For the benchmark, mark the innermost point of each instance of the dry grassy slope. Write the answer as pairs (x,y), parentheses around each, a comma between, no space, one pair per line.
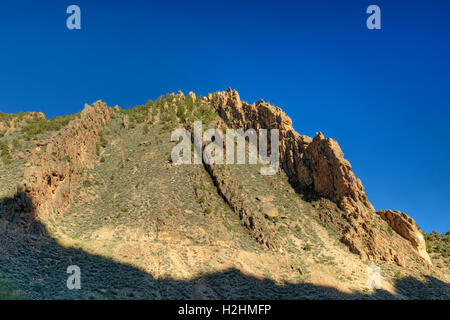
(138,209)
(181,239)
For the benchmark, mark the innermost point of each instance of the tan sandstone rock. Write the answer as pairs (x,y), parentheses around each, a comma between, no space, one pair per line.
(125,121)
(407,228)
(317,166)
(48,180)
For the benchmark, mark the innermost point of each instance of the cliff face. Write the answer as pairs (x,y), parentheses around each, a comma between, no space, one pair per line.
(317,166)
(408,229)
(314,166)
(55,164)
(310,224)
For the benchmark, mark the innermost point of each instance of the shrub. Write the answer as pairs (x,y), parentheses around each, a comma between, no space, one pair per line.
(103,141)
(181,112)
(9,292)
(307,247)
(39,125)
(208,210)
(16,144)
(390,231)
(87,183)
(4,152)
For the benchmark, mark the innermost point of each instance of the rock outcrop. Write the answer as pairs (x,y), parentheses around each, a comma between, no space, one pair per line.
(53,171)
(228,189)
(125,122)
(405,226)
(317,166)
(313,165)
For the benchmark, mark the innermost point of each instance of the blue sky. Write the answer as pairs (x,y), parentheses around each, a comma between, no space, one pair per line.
(384,95)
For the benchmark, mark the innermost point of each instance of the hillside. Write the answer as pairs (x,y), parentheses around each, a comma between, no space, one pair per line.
(98,189)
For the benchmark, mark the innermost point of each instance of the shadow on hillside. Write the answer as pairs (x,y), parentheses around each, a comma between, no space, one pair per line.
(36,264)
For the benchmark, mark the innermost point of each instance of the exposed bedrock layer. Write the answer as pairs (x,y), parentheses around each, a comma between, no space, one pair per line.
(405,226)
(55,164)
(260,229)
(317,166)
(314,166)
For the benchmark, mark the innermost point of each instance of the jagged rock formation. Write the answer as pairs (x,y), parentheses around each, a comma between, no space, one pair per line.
(317,166)
(228,189)
(314,165)
(255,223)
(56,163)
(138,208)
(407,228)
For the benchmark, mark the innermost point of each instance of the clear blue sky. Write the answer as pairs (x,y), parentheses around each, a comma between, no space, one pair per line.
(383,94)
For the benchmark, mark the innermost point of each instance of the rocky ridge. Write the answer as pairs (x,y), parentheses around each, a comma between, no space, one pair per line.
(54,165)
(317,166)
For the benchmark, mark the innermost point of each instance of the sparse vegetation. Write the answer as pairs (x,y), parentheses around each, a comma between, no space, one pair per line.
(437,243)
(144,218)
(87,183)
(4,152)
(9,292)
(38,126)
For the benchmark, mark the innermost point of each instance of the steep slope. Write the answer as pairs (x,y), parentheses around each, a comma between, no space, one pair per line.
(101,192)
(317,166)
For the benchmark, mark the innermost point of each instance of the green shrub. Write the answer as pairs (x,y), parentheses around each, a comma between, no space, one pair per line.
(4,152)
(9,292)
(16,144)
(39,126)
(181,112)
(87,183)
(103,141)
(390,231)
(307,247)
